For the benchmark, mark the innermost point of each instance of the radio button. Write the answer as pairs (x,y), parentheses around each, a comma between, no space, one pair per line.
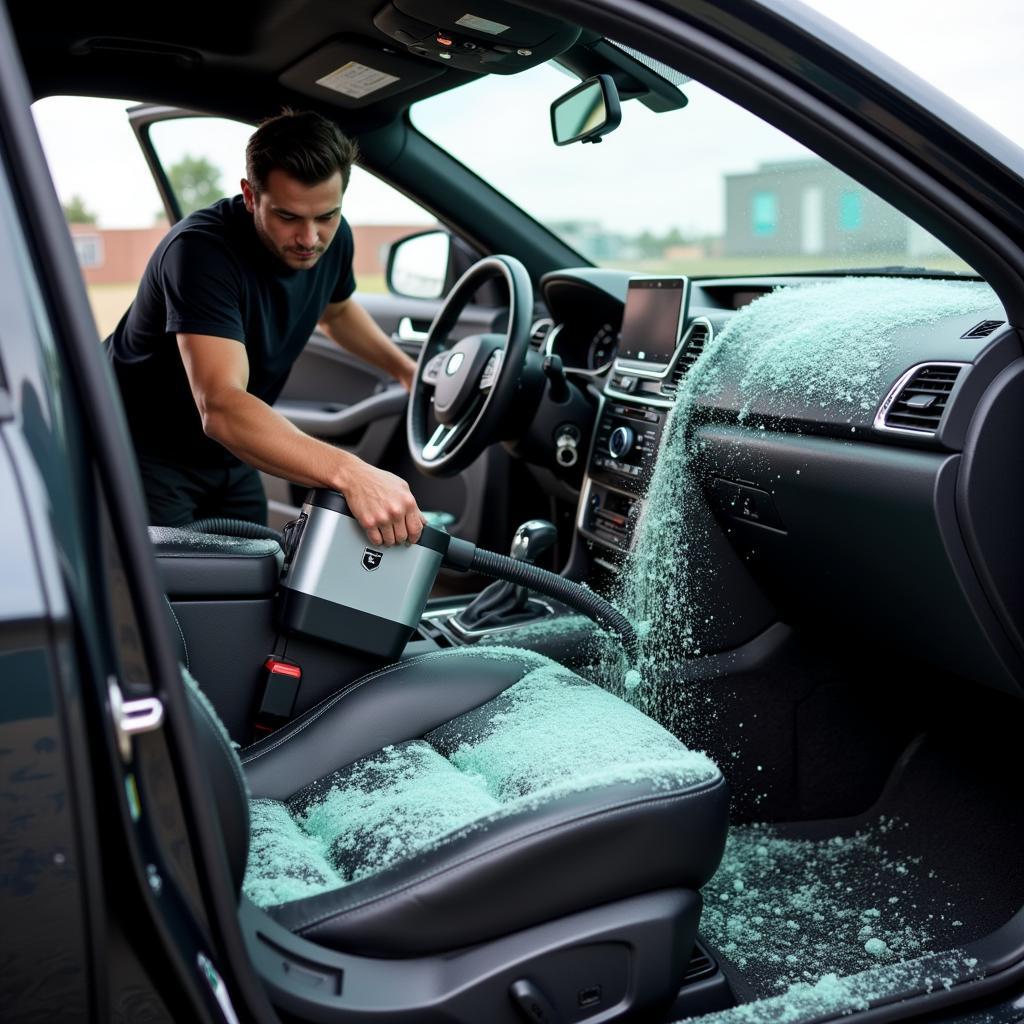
(620,442)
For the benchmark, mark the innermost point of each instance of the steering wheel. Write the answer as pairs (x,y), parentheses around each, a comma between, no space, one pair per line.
(463,392)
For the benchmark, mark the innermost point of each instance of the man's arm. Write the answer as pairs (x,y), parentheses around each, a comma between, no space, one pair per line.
(218,372)
(350,326)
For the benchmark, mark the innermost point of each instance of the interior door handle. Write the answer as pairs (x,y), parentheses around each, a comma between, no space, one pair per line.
(406,331)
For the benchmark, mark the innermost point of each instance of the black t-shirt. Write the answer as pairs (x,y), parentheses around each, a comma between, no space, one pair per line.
(211,274)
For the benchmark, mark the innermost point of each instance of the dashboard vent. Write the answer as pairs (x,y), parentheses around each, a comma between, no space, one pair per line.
(539,332)
(922,400)
(983,330)
(700,334)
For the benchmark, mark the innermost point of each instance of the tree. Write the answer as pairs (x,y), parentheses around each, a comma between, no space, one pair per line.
(75,211)
(195,182)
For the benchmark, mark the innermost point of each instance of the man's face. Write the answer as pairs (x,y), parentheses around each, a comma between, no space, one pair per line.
(296,222)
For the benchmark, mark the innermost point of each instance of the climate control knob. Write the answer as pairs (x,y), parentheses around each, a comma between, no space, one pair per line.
(620,442)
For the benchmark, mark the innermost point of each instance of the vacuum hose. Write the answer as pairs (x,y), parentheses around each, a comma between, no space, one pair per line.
(468,557)
(225,527)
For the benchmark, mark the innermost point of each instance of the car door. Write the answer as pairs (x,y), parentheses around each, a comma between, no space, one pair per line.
(195,159)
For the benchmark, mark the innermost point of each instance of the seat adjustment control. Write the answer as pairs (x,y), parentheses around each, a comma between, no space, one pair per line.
(533,1004)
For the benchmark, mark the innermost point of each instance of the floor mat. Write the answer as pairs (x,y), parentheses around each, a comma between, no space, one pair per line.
(822,916)
(785,911)
(833,996)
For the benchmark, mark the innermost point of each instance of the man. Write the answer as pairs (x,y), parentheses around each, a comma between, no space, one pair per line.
(223,310)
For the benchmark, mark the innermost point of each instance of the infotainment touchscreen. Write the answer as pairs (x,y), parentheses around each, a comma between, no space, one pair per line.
(653,319)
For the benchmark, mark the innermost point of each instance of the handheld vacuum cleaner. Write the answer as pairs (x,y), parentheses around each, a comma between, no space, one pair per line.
(338,587)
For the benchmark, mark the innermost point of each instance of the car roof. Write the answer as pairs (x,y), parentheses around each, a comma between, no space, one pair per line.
(249,60)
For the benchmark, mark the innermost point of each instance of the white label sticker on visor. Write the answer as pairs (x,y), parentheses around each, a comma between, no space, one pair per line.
(356,80)
(492,28)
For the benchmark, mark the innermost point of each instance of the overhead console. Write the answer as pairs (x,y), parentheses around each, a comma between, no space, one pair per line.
(491,37)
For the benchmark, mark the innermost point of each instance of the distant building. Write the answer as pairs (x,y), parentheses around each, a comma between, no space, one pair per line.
(591,238)
(807,207)
(114,255)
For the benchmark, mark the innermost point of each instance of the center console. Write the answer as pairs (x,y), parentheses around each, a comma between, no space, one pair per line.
(638,396)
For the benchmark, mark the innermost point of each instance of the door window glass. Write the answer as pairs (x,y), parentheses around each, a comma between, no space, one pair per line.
(112,207)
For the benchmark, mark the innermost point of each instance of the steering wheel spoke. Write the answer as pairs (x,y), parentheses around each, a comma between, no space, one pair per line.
(491,370)
(441,440)
(433,369)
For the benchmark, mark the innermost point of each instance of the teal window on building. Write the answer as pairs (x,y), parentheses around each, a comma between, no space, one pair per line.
(851,211)
(764,214)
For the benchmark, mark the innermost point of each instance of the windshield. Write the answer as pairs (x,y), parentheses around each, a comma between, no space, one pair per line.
(708,189)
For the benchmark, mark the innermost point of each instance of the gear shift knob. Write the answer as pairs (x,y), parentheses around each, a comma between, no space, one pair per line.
(532,539)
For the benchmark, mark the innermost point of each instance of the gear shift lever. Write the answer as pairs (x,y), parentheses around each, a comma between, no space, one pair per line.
(532,539)
(529,542)
(506,604)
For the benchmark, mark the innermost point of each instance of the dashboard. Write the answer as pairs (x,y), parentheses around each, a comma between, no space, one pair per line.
(855,438)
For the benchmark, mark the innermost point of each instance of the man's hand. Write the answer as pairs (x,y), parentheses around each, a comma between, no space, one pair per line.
(383,505)
(406,374)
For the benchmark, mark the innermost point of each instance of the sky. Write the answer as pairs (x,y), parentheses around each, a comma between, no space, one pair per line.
(970,51)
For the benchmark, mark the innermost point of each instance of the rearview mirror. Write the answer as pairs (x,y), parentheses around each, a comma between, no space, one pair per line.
(587,112)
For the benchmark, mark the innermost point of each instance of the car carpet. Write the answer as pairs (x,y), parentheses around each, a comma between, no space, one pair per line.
(823,916)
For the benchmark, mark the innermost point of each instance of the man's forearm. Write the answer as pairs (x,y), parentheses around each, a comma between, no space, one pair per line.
(251,430)
(218,374)
(357,332)
(381,502)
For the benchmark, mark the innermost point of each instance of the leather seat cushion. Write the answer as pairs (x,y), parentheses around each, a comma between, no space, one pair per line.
(541,770)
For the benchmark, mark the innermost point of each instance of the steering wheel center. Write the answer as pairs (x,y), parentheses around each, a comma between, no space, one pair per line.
(463,395)
(460,373)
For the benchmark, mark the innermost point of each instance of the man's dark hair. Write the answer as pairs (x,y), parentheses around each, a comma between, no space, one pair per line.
(301,143)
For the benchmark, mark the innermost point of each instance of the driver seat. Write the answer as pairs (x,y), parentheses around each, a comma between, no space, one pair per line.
(476,834)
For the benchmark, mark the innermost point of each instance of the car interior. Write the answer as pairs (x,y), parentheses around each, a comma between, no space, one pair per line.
(794,792)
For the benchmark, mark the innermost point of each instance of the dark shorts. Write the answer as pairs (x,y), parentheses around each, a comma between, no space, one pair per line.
(176,495)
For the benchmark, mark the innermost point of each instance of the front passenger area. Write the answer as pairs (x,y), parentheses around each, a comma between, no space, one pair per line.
(468,835)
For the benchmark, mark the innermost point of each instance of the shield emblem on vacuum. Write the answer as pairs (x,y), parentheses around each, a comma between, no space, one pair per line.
(371,559)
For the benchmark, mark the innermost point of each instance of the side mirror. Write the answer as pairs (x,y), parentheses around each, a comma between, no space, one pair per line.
(587,112)
(418,265)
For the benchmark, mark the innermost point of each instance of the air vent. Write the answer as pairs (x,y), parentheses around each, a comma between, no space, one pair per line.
(695,345)
(920,403)
(984,329)
(539,332)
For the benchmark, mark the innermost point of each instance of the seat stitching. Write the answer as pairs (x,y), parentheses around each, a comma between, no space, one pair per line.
(325,705)
(621,808)
(181,632)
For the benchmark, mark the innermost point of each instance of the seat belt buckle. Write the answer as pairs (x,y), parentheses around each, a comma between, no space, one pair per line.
(281,681)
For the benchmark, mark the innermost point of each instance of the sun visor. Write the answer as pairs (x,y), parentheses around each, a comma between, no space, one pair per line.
(490,37)
(352,73)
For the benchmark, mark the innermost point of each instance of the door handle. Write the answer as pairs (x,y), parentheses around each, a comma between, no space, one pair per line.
(406,331)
